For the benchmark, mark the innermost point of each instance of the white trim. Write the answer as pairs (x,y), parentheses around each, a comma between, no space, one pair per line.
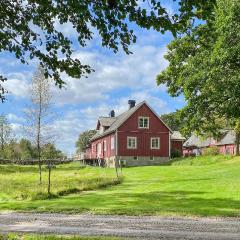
(152,158)
(132,138)
(143,117)
(99,149)
(152,138)
(158,117)
(126,118)
(116,136)
(104,145)
(169,146)
(112,142)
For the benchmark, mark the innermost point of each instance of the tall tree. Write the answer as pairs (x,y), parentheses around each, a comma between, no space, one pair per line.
(172,120)
(39,114)
(26,149)
(83,140)
(29,28)
(204,66)
(5,133)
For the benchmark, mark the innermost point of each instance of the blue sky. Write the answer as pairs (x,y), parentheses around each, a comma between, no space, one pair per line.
(117,78)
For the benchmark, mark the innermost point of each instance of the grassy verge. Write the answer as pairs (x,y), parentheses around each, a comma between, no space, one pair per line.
(202,186)
(21,182)
(50,237)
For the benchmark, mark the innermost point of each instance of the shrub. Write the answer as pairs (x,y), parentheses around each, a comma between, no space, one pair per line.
(175,153)
(212,151)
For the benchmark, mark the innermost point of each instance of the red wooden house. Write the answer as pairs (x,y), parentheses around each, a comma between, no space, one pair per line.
(134,138)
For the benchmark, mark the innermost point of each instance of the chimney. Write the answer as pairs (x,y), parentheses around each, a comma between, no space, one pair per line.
(131,103)
(112,113)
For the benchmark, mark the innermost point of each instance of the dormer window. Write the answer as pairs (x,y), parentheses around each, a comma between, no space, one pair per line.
(143,122)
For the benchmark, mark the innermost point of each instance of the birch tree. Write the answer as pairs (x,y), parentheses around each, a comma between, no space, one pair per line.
(5,133)
(39,114)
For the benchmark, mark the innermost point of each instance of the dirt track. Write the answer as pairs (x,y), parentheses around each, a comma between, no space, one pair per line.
(122,226)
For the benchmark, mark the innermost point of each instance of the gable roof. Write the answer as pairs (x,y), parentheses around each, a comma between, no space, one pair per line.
(228,137)
(106,121)
(196,141)
(176,135)
(119,120)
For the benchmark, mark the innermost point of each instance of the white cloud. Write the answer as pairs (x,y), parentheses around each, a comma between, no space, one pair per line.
(113,73)
(17,84)
(14,118)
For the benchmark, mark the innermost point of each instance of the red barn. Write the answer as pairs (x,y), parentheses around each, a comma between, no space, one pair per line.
(195,145)
(137,137)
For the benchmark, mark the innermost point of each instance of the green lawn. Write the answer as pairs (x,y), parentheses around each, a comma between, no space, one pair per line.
(203,186)
(22,182)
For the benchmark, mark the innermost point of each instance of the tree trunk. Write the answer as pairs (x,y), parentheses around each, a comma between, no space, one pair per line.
(237,143)
(49,180)
(39,166)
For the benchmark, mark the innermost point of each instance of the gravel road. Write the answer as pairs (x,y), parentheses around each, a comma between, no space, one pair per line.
(146,227)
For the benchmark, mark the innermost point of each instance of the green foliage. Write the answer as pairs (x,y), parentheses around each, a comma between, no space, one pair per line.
(29,29)
(203,65)
(49,151)
(24,150)
(175,153)
(211,151)
(172,120)
(83,140)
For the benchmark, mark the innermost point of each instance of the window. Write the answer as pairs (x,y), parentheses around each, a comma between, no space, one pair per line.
(135,158)
(105,145)
(112,142)
(99,149)
(152,158)
(155,143)
(143,122)
(131,142)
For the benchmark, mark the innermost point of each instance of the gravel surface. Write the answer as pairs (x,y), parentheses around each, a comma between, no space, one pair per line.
(144,227)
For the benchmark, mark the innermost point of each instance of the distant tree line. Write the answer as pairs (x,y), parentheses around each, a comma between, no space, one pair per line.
(23,150)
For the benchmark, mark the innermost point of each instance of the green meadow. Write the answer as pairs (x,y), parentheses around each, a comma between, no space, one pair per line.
(201,186)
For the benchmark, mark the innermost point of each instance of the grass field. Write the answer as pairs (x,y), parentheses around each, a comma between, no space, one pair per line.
(202,186)
(22,182)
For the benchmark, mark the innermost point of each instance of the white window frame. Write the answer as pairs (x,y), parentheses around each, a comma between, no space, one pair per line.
(142,117)
(99,149)
(130,146)
(151,143)
(104,145)
(112,142)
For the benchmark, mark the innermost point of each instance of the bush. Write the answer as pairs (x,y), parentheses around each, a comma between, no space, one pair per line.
(175,153)
(211,151)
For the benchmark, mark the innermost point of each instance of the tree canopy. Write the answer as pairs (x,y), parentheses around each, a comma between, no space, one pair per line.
(29,28)
(204,66)
(24,150)
(83,140)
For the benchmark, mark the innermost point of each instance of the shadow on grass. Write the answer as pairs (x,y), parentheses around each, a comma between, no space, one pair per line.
(152,203)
